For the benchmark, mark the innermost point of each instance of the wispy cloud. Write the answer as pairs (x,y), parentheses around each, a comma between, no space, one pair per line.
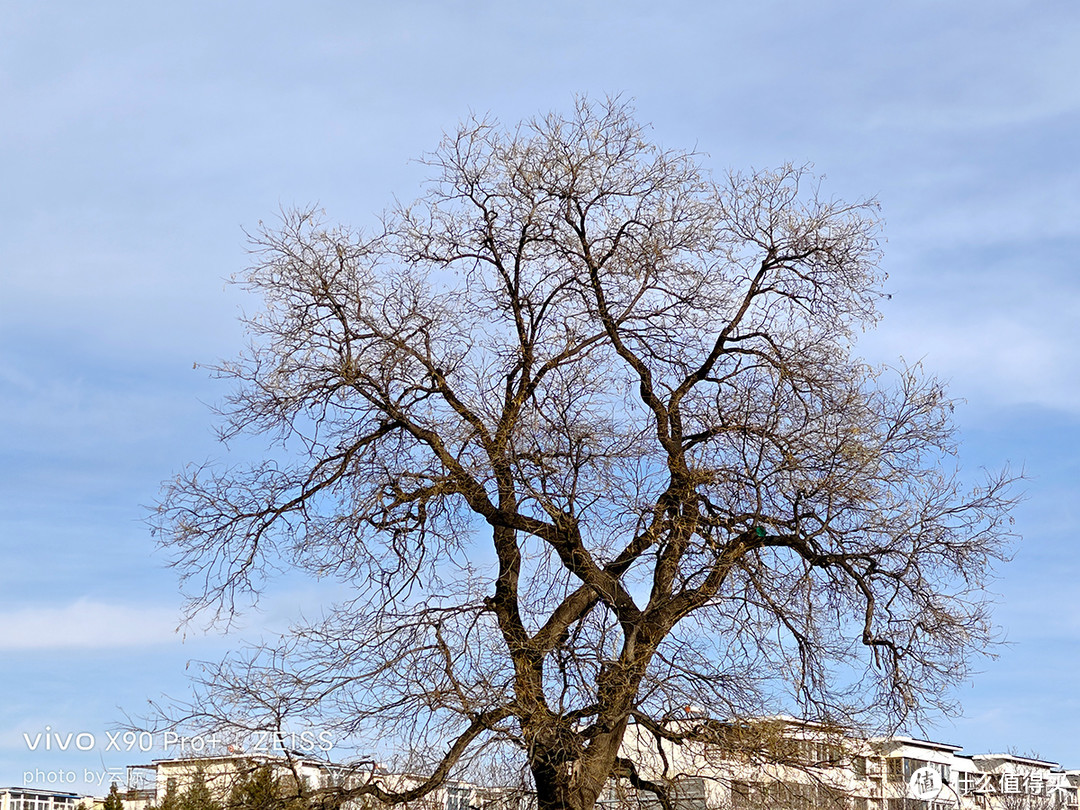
(996,362)
(86,624)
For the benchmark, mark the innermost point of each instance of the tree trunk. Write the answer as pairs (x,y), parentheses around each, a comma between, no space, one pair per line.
(569,775)
(563,788)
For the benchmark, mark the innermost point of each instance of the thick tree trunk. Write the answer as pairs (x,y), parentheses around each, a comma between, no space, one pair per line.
(562,788)
(574,782)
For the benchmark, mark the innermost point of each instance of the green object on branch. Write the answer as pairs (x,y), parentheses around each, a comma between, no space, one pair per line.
(759,531)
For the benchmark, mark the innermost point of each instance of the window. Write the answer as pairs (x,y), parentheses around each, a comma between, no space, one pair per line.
(689,793)
(966,783)
(616,794)
(858,766)
(457,798)
(795,795)
(907,804)
(910,765)
(1062,797)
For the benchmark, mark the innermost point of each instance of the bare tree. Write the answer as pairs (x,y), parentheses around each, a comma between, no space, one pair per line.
(583,431)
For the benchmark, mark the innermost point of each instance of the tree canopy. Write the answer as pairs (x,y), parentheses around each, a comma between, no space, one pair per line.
(113,801)
(583,430)
(196,795)
(258,787)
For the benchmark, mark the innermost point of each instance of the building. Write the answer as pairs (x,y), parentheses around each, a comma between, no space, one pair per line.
(787,764)
(33,798)
(221,773)
(778,763)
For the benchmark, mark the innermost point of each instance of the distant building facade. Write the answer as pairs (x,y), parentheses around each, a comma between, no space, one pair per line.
(819,769)
(33,798)
(221,773)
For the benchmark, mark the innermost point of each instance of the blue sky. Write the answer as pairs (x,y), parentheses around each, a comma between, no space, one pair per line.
(139,140)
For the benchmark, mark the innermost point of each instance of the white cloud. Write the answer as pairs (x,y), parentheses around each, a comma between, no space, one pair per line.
(1001,337)
(86,624)
(999,361)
